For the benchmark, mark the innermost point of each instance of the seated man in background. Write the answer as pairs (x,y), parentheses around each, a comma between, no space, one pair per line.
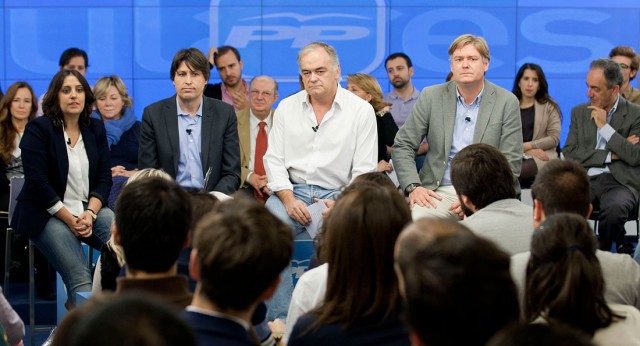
(563,186)
(486,189)
(254,124)
(629,63)
(451,278)
(233,90)
(238,254)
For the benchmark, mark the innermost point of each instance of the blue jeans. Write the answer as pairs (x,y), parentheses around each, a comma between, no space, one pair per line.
(278,306)
(64,251)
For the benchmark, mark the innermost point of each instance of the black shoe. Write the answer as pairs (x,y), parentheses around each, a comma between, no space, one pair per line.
(626,248)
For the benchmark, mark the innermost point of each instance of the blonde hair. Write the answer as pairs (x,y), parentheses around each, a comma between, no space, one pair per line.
(477,41)
(371,86)
(103,85)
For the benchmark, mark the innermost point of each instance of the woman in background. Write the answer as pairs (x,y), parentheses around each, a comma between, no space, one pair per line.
(367,88)
(540,117)
(564,284)
(67,181)
(114,107)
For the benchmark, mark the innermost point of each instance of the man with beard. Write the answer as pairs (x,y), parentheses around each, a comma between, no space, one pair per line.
(484,182)
(233,90)
(404,95)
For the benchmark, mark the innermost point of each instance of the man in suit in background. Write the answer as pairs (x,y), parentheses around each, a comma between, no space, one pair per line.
(238,254)
(254,124)
(603,137)
(452,115)
(191,137)
(233,90)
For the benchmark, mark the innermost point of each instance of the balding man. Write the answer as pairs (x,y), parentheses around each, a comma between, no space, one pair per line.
(254,124)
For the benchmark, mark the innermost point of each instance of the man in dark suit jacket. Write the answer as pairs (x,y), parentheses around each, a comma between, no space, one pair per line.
(603,137)
(238,254)
(191,137)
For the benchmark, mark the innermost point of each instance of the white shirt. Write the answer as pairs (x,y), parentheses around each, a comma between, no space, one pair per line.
(308,293)
(344,145)
(254,124)
(77,190)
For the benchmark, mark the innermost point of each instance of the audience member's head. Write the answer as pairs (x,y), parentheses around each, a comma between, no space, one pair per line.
(367,88)
(112,98)
(380,178)
(320,70)
(628,61)
(478,42)
(264,93)
(535,72)
(17,106)
(149,173)
(458,279)
(417,236)
(560,186)
(202,203)
(399,69)
(74,59)
(535,334)
(229,65)
(51,104)
(360,232)
(243,246)
(152,221)
(132,320)
(564,282)
(481,175)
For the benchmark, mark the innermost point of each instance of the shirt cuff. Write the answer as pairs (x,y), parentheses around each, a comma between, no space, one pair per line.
(56,207)
(248,175)
(606,132)
(608,159)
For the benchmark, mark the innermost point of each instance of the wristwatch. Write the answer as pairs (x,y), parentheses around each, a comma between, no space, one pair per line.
(409,189)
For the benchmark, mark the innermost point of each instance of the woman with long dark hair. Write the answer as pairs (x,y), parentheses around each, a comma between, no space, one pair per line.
(67,181)
(564,284)
(541,119)
(362,301)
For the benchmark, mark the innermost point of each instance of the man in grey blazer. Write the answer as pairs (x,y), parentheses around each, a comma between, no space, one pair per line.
(191,137)
(603,137)
(467,110)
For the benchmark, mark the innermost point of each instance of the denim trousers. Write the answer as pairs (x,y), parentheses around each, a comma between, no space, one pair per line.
(278,306)
(64,250)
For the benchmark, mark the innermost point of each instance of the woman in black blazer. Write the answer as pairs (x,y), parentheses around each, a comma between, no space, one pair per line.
(67,181)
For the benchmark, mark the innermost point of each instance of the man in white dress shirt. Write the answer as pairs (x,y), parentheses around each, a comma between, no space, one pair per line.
(322,138)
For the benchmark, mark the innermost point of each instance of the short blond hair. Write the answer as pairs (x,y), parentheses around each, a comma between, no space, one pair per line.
(103,85)
(477,41)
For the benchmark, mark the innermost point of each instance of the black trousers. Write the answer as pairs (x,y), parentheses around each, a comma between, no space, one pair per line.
(615,203)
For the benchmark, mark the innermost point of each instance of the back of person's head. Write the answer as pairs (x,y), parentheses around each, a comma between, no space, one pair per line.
(482,173)
(153,218)
(202,203)
(148,173)
(457,280)
(239,252)
(358,241)
(132,320)
(380,178)
(535,334)
(562,186)
(71,53)
(564,282)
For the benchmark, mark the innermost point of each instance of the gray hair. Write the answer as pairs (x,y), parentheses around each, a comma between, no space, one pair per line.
(327,48)
(611,71)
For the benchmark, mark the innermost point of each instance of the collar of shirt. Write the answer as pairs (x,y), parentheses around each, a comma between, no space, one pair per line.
(217,314)
(337,101)
(414,95)
(180,112)
(613,109)
(254,122)
(475,103)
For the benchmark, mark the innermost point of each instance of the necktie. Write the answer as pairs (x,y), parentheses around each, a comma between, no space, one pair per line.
(261,149)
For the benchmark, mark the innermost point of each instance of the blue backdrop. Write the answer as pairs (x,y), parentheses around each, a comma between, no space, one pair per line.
(137,39)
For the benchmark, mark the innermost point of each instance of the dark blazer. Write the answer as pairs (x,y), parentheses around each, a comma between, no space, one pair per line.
(211,330)
(46,165)
(160,142)
(581,142)
(213,90)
